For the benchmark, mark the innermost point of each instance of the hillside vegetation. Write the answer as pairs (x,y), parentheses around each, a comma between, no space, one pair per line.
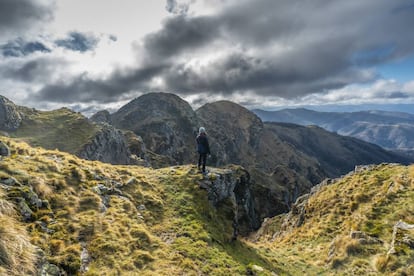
(346,226)
(60,129)
(91,218)
(98,219)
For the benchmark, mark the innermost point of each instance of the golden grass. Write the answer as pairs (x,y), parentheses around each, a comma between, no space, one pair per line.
(161,222)
(17,254)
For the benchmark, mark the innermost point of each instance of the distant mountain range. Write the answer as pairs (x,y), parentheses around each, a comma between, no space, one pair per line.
(390,130)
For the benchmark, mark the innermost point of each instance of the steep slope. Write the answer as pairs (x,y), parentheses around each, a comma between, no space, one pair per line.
(97,219)
(349,226)
(68,131)
(285,160)
(86,217)
(336,154)
(165,122)
(391,130)
(280,172)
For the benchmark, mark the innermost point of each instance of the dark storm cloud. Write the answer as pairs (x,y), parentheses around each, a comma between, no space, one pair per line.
(179,34)
(20,47)
(39,69)
(325,45)
(17,16)
(84,89)
(77,41)
(269,47)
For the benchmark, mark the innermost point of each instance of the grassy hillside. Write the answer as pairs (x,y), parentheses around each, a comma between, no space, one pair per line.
(105,220)
(92,218)
(61,129)
(346,228)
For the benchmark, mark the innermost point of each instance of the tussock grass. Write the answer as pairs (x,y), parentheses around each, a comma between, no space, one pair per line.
(17,254)
(159,222)
(372,202)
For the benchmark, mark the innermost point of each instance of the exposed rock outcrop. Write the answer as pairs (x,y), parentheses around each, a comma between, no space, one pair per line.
(4,149)
(102,116)
(280,173)
(109,145)
(166,123)
(10,118)
(232,188)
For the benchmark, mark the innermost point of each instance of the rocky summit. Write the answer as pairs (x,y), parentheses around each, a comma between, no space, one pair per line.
(165,122)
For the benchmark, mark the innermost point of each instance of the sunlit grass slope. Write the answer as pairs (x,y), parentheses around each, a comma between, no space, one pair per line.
(93,218)
(61,129)
(346,227)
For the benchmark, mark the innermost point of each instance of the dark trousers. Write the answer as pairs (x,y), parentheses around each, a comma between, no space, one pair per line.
(202,161)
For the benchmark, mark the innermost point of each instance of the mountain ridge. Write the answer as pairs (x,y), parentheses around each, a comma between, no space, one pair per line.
(390,130)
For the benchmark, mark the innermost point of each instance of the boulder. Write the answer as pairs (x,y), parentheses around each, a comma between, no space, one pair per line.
(4,149)
(10,118)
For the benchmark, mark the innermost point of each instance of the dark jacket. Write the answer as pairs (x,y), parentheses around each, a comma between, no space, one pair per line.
(202,144)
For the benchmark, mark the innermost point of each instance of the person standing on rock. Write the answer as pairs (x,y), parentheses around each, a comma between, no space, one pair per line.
(203,148)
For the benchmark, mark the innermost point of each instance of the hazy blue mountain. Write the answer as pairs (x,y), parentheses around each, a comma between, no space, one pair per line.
(388,129)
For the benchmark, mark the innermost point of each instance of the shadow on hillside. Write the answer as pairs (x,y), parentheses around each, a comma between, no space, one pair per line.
(249,256)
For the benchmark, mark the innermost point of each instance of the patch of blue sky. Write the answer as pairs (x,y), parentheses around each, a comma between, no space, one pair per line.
(401,70)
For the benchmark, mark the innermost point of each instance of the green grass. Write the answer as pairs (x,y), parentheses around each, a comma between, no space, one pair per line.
(50,130)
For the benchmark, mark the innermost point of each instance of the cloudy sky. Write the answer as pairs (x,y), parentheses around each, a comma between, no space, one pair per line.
(99,54)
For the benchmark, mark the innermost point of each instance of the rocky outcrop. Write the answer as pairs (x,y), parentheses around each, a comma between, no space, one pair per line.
(102,116)
(279,172)
(10,118)
(234,132)
(166,123)
(4,149)
(231,188)
(109,145)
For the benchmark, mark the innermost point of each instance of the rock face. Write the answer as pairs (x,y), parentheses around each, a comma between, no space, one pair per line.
(10,117)
(232,188)
(279,171)
(102,116)
(109,145)
(166,123)
(234,132)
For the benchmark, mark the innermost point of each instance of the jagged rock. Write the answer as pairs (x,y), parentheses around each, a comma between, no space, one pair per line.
(166,123)
(108,145)
(137,147)
(44,268)
(49,269)
(102,116)
(4,149)
(85,259)
(10,118)
(233,185)
(24,210)
(11,181)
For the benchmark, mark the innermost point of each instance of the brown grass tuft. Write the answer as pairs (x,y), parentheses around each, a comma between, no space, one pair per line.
(41,188)
(17,254)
